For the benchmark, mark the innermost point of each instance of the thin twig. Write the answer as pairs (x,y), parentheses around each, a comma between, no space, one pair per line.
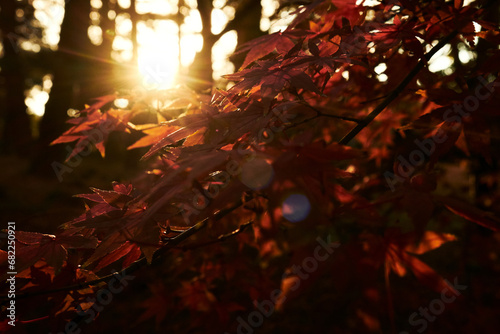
(321,114)
(395,93)
(345,118)
(220,238)
(374,99)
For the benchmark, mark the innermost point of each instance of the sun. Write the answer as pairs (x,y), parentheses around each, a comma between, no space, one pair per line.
(157,72)
(158,53)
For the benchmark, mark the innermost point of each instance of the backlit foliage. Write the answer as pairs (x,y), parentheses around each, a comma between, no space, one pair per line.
(239,185)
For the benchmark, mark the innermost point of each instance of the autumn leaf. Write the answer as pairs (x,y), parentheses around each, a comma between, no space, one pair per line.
(400,258)
(472,213)
(153,135)
(264,45)
(32,247)
(429,241)
(124,250)
(93,128)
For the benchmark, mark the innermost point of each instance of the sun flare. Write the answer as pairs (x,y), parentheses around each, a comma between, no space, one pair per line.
(164,49)
(158,53)
(165,46)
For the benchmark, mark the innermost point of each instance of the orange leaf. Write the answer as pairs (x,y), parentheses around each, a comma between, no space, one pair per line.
(469,212)
(430,240)
(115,255)
(264,45)
(153,135)
(426,275)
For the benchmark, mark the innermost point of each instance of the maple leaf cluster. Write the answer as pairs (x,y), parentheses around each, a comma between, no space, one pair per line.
(310,141)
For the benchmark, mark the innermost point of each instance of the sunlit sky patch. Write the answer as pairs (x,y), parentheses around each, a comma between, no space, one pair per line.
(221,51)
(441,60)
(37,97)
(380,69)
(191,39)
(121,103)
(50,14)
(160,7)
(268,9)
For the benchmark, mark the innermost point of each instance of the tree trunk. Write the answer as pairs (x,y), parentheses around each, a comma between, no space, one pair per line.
(15,132)
(80,73)
(200,73)
(69,68)
(247,25)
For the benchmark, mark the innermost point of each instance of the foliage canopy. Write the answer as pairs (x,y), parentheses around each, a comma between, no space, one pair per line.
(335,133)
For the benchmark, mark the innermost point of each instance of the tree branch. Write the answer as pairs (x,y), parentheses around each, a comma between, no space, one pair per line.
(142,261)
(395,93)
(319,113)
(219,239)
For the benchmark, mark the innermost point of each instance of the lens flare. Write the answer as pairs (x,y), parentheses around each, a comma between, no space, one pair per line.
(257,174)
(296,208)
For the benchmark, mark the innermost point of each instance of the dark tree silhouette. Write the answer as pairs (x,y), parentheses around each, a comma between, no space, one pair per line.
(15,133)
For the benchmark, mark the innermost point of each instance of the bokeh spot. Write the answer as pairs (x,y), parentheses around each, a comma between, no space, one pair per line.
(296,208)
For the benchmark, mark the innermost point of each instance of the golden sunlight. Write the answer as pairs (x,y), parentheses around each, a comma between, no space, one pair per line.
(158,53)
(167,38)
(165,49)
